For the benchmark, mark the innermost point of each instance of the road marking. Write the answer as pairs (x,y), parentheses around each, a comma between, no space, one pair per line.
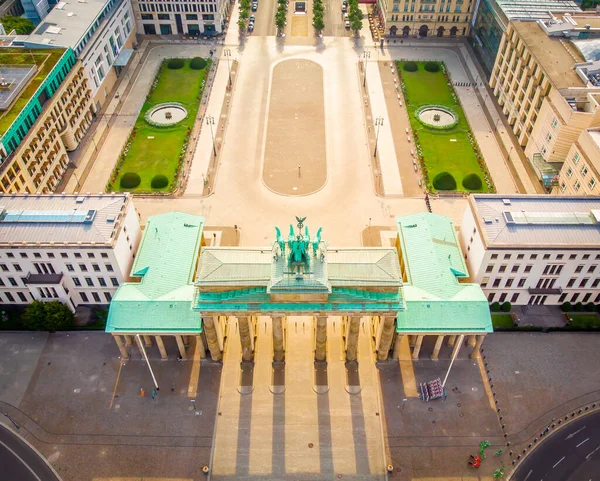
(528,474)
(584,441)
(112,399)
(21,459)
(592,452)
(573,434)
(559,461)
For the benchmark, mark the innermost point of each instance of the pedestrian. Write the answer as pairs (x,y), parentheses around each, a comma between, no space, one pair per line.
(299,166)
(154,394)
(475,461)
(179,358)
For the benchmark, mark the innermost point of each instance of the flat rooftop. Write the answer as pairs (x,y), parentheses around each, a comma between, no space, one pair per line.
(44,59)
(67,23)
(61,220)
(161,300)
(537,221)
(433,264)
(535,9)
(553,57)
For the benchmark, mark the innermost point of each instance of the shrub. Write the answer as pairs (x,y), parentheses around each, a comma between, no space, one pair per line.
(590,307)
(505,307)
(444,181)
(411,67)
(34,316)
(130,180)
(566,307)
(176,63)
(472,182)
(58,316)
(495,307)
(198,63)
(159,181)
(432,67)
(579,307)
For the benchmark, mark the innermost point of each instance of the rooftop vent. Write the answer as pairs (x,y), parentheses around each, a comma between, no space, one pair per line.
(70,14)
(80,200)
(110,218)
(506,201)
(488,220)
(60,5)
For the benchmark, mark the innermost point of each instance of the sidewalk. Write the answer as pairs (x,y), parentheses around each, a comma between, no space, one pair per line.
(386,151)
(540,316)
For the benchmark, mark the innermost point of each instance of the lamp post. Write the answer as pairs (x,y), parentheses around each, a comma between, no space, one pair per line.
(141,346)
(366,55)
(210,120)
(227,54)
(378,123)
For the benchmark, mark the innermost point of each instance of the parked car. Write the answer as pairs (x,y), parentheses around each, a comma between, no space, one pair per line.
(255,6)
(346,16)
(344,8)
(251,18)
(251,26)
(347,25)
(345,3)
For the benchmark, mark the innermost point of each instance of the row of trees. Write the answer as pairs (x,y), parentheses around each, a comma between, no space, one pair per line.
(318,21)
(355,15)
(281,15)
(47,316)
(244,15)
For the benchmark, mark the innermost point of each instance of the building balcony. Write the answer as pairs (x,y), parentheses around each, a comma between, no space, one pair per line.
(542,291)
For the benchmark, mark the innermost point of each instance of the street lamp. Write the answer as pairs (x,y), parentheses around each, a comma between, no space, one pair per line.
(378,123)
(227,53)
(210,120)
(141,346)
(366,55)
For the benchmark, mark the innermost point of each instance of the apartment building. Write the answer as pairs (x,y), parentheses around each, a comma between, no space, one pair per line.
(38,126)
(425,18)
(181,17)
(100,32)
(75,249)
(533,249)
(580,173)
(547,87)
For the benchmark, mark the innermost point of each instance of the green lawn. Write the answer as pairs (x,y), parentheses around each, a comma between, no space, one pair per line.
(156,150)
(501,320)
(581,320)
(443,150)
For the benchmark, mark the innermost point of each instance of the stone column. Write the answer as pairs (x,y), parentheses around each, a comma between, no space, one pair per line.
(411,340)
(121,346)
(181,347)
(385,341)
(278,352)
(244,326)
(436,349)
(128,340)
(147,341)
(451,340)
(211,324)
(457,346)
(321,339)
(397,343)
(161,347)
(201,347)
(471,340)
(417,348)
(352,338)
(477,346)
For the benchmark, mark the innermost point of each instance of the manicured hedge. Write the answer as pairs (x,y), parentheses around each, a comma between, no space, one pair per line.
(505,307)
(130,180)
(198,63)
(411,67)
(495,307)
(432,67)
(472,182)
(176,63)
(566,307)
(444,181)
(159,181)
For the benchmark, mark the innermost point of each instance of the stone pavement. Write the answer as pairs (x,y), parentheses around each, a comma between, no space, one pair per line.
(541,316)
(386,151)
(283,429)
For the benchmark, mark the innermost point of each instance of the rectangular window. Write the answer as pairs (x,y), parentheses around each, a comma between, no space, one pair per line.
(571,282)
(583,282)
(521,282)
(96,296)
(50,255)
(533,256)
(37,255)
(17,267)
(592,183)
(23,255)
(491,297)
(584,170)
(10,297)
(91,255)
(591,268)
(84,296)
(146,16)
(12,281)
(64,255)
(101,281)
(502,297)
(509,282)
(96,267)
(520,256)
(562,297)
(83,267)
(109,267)
(586,298)
(89,281)
(514,298)
(576,158)
(114,281)
(108,296)
(163,16)
(70,267)
(572,256)
(496,283)
(489,268)
(76,281)
(4,267)
(104,255)
(22,296)
(528,268)
(596,282)
(515,268)
(554,123)
(191,16)
(507,256)
(546,256)
(484,282)
(502,268)
(579,268)
(494,256)
(574,297)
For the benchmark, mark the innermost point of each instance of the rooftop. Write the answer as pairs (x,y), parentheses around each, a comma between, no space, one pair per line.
(537,220)
(44,59)
(165,264)
(61,220)
(552,54)
(433,264)
(67,23)
(535,9)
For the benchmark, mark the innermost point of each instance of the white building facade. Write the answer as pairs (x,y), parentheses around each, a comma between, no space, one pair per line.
(180,17)
(75,249)
(532,249)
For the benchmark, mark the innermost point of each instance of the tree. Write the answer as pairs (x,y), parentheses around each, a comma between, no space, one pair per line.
(244,15)
(318,22)
(241,25)
(23,26)
(34,316)
(280,17)
(58,316)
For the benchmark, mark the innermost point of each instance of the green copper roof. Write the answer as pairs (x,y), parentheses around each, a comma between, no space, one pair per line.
(162,300)
(433,262)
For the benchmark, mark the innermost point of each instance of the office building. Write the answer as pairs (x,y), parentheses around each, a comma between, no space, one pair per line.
(45,109)
(533,249)
(184,17)
(75,249)
(100,32)
(580,173)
